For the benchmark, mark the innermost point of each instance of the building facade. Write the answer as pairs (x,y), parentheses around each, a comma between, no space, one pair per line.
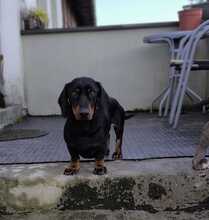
(65,13)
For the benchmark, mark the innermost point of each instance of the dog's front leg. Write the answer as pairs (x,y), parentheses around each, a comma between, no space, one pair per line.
(73,168)
(99,169)
(118,145)
(117,155)
(74,165)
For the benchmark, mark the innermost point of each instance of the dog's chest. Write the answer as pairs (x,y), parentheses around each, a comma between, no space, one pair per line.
(91,131)
(85,129)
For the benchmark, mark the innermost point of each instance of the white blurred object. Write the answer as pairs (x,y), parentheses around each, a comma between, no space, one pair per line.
(192,2)
(30,4)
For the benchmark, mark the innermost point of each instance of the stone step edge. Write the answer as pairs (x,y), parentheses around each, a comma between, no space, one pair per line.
(153,186)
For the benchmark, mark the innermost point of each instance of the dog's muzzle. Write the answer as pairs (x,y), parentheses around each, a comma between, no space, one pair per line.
(84,113)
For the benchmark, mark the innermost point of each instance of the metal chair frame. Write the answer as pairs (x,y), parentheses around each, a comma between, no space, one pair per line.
(187,56)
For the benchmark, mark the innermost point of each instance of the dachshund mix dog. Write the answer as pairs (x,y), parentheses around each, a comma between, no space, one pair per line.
(90,112)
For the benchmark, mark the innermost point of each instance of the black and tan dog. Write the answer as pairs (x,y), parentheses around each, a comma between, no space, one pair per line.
(90,112)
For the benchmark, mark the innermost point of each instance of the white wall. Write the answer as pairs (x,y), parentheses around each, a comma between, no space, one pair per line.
(131,71)
(11,47)
(30,3)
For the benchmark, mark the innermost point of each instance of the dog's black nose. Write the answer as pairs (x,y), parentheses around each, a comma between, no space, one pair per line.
(84,115)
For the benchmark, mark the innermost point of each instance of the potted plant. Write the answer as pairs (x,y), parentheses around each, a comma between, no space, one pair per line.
(190,17)
(205,7)
(35,19)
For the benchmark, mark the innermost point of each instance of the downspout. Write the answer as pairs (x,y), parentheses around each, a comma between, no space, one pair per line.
(49,12)
(2,101)
(59,14)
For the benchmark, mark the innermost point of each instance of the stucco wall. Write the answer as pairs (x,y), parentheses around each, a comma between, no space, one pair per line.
(11,48)
(131,71)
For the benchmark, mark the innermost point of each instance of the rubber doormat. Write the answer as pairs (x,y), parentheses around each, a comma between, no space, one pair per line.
(146,136)
(15,134)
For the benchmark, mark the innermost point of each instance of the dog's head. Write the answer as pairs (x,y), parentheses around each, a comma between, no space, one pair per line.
(79,98)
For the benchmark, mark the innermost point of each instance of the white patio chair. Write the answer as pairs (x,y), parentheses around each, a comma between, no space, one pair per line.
(185,65)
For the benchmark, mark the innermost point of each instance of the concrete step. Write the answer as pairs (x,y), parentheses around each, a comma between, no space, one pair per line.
(10,115)
(153,186)
(108,215)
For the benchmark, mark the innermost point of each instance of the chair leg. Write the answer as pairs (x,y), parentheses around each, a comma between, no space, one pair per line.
(157,98)
(197,97)
(178,110)
(182,92)
(170,96)
(166,95)
(167,103)
(175,99)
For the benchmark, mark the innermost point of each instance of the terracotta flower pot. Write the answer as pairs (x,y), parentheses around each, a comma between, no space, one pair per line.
(191,18)
(205,9)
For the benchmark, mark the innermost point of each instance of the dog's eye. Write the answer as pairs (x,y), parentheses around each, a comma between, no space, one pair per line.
(91,92)
(75,92)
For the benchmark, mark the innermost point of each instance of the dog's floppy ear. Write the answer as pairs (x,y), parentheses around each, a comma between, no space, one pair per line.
(64,102)
(103,99)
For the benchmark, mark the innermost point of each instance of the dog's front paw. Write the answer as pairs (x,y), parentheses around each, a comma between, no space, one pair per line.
(100,170)
(117,155)
(203,164)
(70,171)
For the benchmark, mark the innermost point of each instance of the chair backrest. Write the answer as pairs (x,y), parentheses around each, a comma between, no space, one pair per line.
(189,45)
(194,38)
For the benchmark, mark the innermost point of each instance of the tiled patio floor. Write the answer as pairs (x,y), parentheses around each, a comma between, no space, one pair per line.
(146,136)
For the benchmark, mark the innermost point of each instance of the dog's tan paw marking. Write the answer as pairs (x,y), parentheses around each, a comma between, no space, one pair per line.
(100,170)
(117,155)
(70,171)
(73,168)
